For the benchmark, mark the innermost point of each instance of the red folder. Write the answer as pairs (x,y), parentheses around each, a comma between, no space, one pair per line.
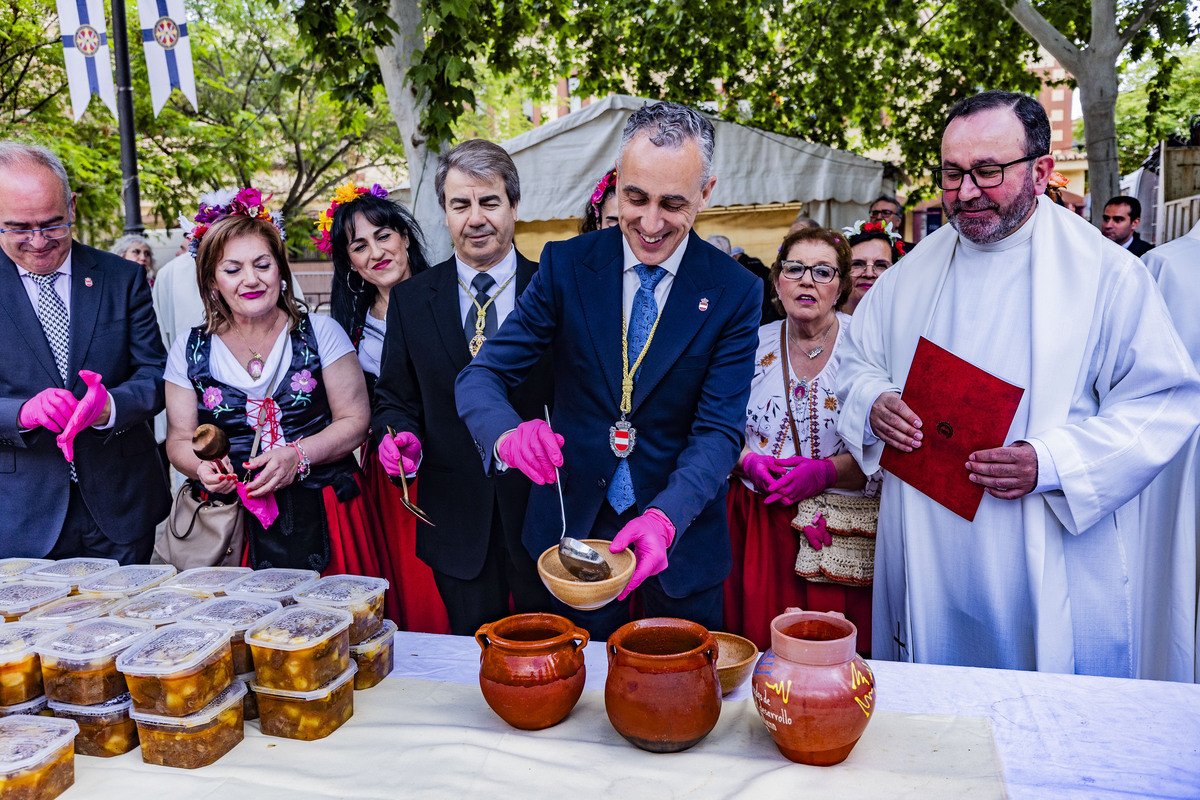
(962,409)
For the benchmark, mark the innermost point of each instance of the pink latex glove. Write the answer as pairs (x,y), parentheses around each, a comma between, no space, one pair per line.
(400,453)
(761,470)
(806,477)
(264,508)
(816,533)
(49,408)
(534,449)
(90,407)
(650,534)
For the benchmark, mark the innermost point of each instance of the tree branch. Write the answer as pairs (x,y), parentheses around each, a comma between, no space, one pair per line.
(1139,21)
(1047,36)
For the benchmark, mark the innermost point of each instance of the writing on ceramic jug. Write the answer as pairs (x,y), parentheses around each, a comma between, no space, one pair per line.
(770,717)
(857,679)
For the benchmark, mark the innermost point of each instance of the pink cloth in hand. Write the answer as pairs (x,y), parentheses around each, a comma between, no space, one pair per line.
(816,533)
(401,452)
(650,534)
(265,509)
(761,470)
(49,408)
(90,407)
(534,449)
(805,478)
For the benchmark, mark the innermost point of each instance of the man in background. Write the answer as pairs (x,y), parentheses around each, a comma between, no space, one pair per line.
(1121,217)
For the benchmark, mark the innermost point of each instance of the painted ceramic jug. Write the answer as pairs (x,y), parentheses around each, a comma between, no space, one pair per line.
(662,692)
(531,668)
(813,692)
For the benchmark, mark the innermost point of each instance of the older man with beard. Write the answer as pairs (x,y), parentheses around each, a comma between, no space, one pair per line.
(1046,576)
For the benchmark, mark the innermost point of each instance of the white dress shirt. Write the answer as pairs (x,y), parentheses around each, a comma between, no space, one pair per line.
(505,301)
(630,282)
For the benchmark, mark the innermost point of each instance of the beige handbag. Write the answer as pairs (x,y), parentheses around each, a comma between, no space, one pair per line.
(201,533)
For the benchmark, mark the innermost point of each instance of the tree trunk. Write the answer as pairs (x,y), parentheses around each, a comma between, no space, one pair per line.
(422,155)
(1098,96)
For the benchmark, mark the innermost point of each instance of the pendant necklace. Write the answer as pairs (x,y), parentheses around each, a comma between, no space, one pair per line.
(821,347)
(255,365)
(622,436)
(481,314)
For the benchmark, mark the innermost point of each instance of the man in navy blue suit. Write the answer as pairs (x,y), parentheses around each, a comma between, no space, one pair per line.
(653,332)
(81,376)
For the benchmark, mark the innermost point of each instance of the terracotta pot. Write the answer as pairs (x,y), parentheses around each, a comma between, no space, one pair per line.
(531,668)
(813,692)
(662,692)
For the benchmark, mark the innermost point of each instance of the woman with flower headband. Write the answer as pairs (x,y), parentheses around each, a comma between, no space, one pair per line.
(874,247)
(375,245)
(272,376)
(601,209)
(795,469)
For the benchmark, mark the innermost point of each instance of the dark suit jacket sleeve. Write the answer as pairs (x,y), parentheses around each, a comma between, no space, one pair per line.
(139,397)
(397,395)
(482,389)
(718,430)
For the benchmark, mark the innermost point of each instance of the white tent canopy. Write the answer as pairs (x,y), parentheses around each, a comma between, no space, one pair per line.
(560,162)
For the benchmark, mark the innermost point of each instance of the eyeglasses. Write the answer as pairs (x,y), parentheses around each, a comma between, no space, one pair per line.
(821,273)
(876,213)
(53,233)
(985,176)
(861,266)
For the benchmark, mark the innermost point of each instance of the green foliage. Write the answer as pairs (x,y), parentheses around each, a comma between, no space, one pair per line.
(1147,112)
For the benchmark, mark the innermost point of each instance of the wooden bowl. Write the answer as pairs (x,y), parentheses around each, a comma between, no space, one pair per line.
(736,656)
(586,595)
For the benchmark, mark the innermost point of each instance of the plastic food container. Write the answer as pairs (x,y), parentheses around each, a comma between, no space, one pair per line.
(300,648)
(250,701)
(196,740)
(127,581)
(306,715)
(105,730)
(69,610)
(79,661)
(179,669)
(160,606)
(358,594)
(20,665)
(37,759)
(37,705)
(71,571)
(374,656)
(207,579)
(18,598)
(12,569)
(238,615)
(272,584)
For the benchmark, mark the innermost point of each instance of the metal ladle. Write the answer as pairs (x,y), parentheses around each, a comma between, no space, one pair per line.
(581,560)
(403,484)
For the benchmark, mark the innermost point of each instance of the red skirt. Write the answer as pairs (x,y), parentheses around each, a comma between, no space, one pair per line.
(764,582)
(357,545)
(421,607)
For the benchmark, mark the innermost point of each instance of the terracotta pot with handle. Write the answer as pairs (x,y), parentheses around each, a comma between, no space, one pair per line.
(662,692)
(531,668)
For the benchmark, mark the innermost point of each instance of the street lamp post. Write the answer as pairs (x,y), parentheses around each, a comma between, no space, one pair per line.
(130,185)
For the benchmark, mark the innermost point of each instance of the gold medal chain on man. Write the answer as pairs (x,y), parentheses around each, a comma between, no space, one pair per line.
(622,436)
(481,314)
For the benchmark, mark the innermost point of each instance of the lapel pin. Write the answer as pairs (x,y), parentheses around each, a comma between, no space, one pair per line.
(87,282)
(704,304)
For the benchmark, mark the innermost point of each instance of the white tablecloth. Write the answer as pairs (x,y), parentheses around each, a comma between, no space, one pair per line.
(1056,736)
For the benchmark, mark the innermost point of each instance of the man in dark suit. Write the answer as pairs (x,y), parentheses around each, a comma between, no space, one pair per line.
(436,322)
(68,308)
(649,415)
(1121,217)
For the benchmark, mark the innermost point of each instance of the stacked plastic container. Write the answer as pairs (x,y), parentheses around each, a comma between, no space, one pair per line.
(370,634)
(238,615)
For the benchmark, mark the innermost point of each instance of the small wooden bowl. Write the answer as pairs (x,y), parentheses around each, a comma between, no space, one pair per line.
(586,595)
(736,656)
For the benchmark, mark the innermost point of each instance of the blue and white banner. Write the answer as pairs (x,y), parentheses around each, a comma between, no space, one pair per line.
(168,50)
(85,49)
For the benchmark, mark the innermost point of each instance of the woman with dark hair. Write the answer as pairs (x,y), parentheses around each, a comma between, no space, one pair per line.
(375,245)
(601,209)
(794,463)
(874,248)
(271,375)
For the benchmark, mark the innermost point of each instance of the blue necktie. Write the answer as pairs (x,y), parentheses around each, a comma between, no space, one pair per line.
(641,321)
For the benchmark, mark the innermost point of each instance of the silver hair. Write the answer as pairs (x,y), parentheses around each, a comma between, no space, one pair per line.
(122,245)
(722,243)
(670,125)
(483,161)
(19,154)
